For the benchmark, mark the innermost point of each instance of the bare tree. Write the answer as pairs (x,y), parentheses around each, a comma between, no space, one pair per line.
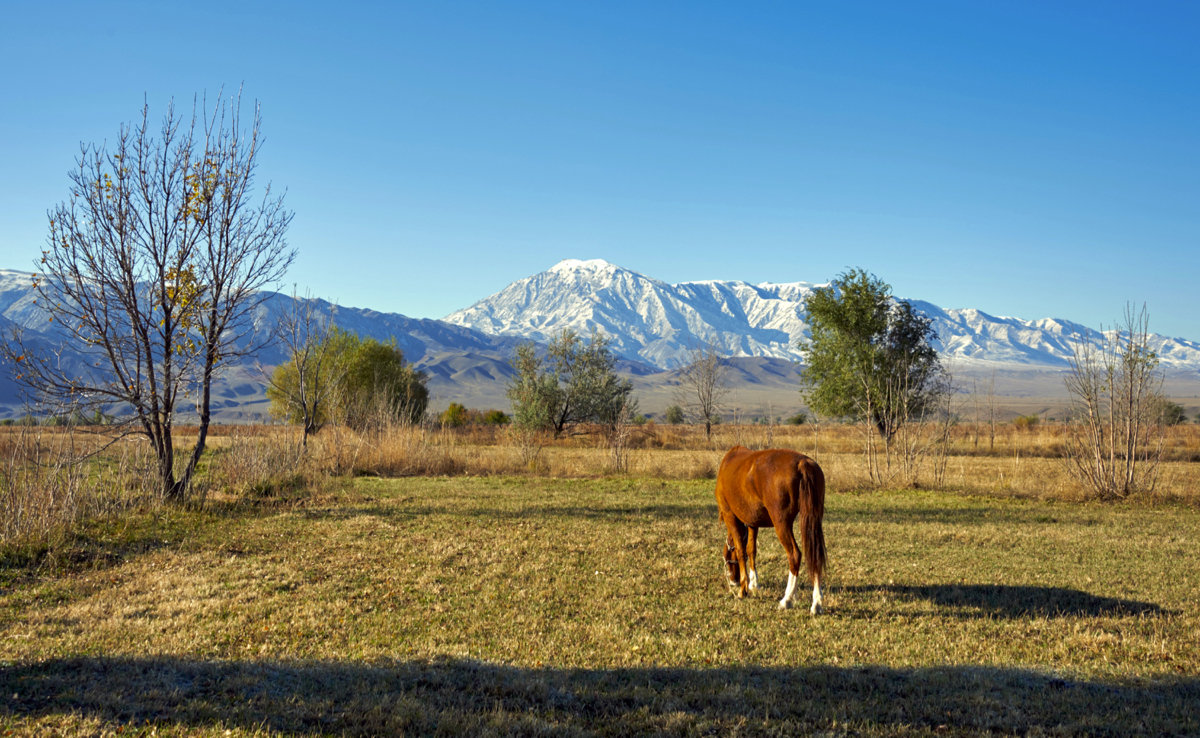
(702,386)
(1116,437)
(618,431)
(991,411)
(153,270)
(302,388)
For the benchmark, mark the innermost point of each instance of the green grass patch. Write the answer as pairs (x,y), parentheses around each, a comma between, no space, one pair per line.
(526,605)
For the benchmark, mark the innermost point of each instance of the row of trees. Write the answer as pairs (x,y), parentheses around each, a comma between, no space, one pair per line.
(870,358)
(155,265)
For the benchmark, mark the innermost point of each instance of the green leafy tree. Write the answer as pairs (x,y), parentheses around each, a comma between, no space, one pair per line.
(369,383)
(378,387)
(575,383)
(675,415)
(1173,413)
(870,357)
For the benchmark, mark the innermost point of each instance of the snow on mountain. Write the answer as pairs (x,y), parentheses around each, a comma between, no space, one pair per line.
(647,319)
(660,323)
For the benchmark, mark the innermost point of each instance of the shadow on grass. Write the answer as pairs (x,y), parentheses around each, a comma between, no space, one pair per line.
(632,513)
(898,515)
(462,696)
(992,600)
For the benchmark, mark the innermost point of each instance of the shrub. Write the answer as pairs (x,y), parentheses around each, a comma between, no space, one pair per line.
(496,417)
(1026,422)
(1173,413)
(455,416)
(674,415)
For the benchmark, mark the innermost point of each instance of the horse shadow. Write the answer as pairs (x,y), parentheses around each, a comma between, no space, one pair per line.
(1008,601)
(462,696)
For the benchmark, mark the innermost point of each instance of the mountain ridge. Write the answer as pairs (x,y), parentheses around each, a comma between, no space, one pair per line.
(653,326)
(660,323)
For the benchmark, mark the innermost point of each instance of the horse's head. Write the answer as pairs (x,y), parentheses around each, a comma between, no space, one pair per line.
(731,563)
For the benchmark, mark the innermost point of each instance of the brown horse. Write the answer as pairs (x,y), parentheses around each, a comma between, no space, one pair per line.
(772,487)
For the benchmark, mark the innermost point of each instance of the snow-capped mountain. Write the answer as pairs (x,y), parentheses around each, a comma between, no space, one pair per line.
(646,319)
(660,323)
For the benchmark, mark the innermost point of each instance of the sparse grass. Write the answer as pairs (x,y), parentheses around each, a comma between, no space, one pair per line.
(527,604)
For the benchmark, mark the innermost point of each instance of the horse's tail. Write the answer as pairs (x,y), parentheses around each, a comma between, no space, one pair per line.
(812,509)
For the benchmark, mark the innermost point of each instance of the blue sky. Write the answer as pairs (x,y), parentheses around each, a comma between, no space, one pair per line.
(1030,159)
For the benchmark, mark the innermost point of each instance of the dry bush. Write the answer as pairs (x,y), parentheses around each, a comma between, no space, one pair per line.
(257,464)
(393,450)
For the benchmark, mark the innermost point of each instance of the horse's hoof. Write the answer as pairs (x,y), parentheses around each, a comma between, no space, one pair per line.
(784,604)
(817,609)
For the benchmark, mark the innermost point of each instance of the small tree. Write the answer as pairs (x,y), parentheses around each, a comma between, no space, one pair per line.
(361,383)
(378,386)
(1172,413)
(1026,422)
(301,389)
(674,415)
(1116,438)
(870,357)
(577,383)
(496,417)
(152,272)
(702,386)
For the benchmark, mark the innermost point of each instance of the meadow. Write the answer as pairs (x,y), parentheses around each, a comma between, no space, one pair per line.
(429,582)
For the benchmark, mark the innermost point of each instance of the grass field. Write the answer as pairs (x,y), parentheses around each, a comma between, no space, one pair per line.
(536,605)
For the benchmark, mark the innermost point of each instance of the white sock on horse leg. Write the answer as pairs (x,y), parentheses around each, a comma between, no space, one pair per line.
(816,603)
(753,579)
(786,602)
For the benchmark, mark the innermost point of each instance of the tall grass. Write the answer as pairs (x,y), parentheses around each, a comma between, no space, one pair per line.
(51,478)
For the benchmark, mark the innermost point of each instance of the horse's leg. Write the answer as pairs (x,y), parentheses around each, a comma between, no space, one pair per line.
(737,532)
(783,529)
(816,603)
(751,552)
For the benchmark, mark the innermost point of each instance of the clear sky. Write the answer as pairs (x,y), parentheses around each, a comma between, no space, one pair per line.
(1033,159)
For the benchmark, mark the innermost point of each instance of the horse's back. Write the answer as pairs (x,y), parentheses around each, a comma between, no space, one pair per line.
(758,484)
